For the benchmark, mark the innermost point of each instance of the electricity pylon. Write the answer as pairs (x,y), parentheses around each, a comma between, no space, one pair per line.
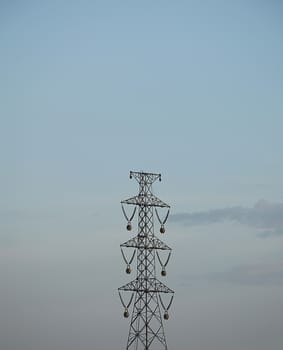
(146,327)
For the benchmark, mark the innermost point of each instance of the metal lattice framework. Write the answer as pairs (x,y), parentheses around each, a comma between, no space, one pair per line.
(146,327)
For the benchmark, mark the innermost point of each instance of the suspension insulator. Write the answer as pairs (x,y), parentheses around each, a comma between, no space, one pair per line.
(128,269)
(166,315)
(126,313)
(129,226)
(163,272)
(162,229)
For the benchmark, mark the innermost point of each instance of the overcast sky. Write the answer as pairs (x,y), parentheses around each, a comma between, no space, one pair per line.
(90,90)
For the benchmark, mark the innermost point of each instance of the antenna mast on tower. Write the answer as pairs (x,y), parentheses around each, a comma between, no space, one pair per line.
(146,327)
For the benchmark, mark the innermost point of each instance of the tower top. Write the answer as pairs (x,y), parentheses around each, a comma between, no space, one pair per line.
(142,176)
(145,196)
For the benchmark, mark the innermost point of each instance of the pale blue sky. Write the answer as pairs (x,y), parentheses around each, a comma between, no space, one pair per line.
(92,89)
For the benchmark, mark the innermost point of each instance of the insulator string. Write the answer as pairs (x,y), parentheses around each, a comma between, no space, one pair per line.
(130,300)
(122,301)
(132,258)
(125,259)
(159,259)
(163,265)
(167,259)
(162,302)
(170,303)
(125,214)
(158,217)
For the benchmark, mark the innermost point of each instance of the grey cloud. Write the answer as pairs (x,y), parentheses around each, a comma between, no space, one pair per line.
(264,215)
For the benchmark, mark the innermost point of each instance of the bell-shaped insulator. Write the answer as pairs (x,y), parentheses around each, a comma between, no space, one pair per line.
(163,272)
(166,315)
(128,269)
(162,229)
(126,313)
(129,226)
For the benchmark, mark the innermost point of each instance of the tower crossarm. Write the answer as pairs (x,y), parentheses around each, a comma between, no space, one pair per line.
(147,286)
(146,200)
(154,243)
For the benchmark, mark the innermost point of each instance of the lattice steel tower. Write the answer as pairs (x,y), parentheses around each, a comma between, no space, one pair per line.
(146,327)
